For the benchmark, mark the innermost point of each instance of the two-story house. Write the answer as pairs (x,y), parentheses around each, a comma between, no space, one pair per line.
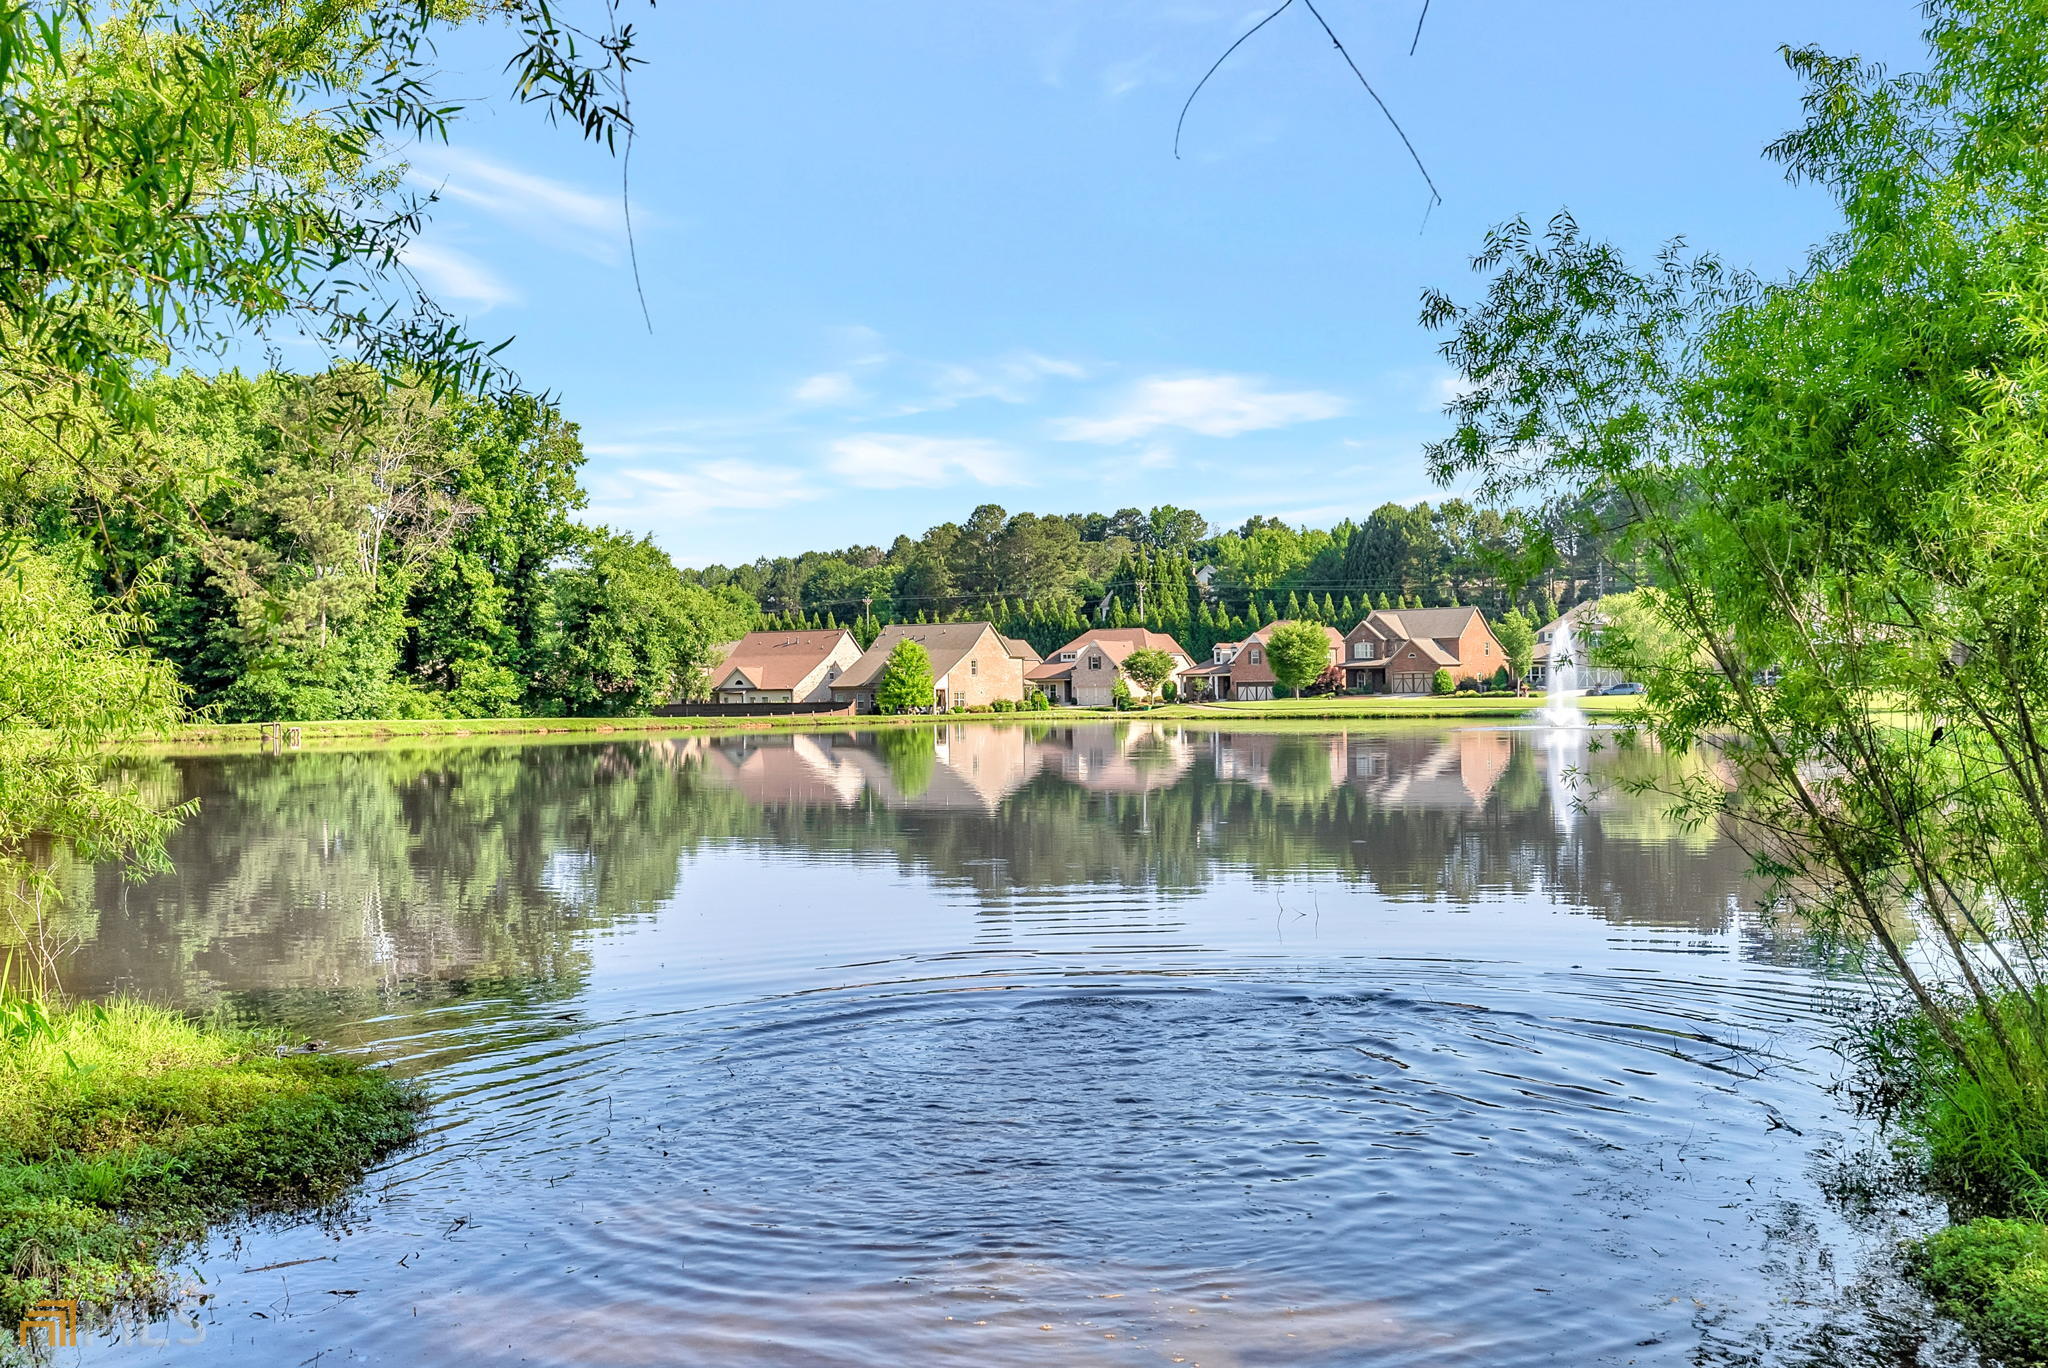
(1240,669)
(1084,672)
(1400,650)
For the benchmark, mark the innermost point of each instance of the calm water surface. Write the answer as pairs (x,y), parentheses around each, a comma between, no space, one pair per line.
(1022,1045)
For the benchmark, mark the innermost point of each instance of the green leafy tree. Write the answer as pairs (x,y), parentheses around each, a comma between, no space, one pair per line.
(1120,694)
(1299,652)
(1517,642)
(906,680)
(628,632)
(1149,668)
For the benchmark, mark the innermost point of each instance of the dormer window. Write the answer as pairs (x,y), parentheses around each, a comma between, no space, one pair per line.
(1066,655)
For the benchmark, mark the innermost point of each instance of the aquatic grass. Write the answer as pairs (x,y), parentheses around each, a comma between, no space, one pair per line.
(1975,1118)
(126,1130)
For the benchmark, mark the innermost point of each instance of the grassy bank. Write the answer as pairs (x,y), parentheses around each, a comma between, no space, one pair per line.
(244,734)
(1975,1121)
(126,1130)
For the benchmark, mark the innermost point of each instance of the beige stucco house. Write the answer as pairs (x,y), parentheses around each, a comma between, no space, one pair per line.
(1084,672)
(972,664)
(784,667)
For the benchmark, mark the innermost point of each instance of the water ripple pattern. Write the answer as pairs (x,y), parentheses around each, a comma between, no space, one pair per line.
(1207,1070)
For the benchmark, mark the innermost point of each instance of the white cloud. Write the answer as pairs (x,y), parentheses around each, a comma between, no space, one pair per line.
(900,461)
(1012,379)
(591,224)
(827,387)
(449,275)
(640,496)
(1211,405)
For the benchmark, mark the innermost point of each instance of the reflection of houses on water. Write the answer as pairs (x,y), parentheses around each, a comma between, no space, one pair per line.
(975,766)
(1108,758)
(963,766)
(1459,770)
(1454,770)
(979,766)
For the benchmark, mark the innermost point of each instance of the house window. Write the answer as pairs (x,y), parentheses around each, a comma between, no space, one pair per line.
(1094,662)
(1257,656)
(974,667)
(1066,655)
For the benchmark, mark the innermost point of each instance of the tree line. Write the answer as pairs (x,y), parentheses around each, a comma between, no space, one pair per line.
(1045,578)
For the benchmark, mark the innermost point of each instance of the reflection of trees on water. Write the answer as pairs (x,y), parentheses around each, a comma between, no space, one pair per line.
(414,871)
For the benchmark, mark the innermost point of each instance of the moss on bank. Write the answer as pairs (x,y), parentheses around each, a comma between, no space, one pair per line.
(1992,1274)
(126,1130)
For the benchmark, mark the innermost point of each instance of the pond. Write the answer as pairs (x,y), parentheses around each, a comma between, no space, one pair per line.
(1024,1044)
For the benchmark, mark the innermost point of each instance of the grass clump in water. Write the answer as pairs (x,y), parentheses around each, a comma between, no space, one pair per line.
(125,1130)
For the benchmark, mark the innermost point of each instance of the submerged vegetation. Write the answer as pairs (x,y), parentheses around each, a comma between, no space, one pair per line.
(126,1129)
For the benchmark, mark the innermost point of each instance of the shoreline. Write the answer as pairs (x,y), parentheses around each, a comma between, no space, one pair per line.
(250,734)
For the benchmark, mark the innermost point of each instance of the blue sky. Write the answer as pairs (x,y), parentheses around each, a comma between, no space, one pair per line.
(907,257)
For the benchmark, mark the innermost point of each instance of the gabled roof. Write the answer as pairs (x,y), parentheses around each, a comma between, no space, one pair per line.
(1114,643)
(1243,670)
(776,660)
(948,643)
(1023,650)
(1410,624)
(1583,614)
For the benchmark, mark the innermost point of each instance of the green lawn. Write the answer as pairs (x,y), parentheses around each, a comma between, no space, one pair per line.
(242,735)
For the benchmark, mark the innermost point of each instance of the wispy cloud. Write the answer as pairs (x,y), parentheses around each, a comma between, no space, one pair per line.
(1016,378)
(641,495)
(565,215)
(453,276)
(826,388)
(902,461)
(1209,405)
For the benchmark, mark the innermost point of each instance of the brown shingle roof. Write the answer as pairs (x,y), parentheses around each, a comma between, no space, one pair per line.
(1243,670)
(1114,642)
(1409,624)
(777,660)
(946,642)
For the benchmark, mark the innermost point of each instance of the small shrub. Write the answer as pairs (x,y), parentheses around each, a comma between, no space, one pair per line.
(1168,693)
(1441,684)
(1120,695)
(1039,702)
(1992,1275)
(1003,705)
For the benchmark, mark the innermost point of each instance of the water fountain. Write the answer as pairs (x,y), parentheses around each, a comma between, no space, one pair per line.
(1565,727)
(1560,706)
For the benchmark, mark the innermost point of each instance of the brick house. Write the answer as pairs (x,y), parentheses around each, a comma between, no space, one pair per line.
(972,664)
(784,667)
(1084,672)
(1400,650)
(1239,669)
